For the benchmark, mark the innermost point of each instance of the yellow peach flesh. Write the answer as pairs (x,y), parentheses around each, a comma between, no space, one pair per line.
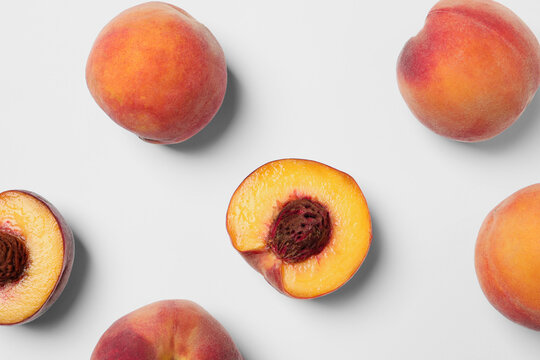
(34,222)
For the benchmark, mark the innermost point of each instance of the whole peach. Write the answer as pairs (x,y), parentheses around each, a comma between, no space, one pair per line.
(471,71)
(507,257)
(157,72)
(168,329)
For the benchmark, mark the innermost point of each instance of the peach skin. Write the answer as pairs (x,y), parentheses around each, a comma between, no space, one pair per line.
(36,256)
(507,257)
(168,329)
(157,72)
(303,225)
(471,71)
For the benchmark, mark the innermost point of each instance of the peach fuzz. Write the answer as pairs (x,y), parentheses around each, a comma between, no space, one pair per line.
(303,225)
(168,329)
(471,71)
(507,257)
(36,256)
(157,72)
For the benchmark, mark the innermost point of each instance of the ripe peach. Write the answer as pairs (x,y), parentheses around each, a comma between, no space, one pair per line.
(303,225)
(36,256)
(507,257)
(169,329)
(471,71)
(157,72)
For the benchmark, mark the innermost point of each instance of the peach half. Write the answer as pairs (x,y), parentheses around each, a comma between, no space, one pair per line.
(168,329)
(36,256)
(303,225)
(157,72)
(471,71)
(507,257)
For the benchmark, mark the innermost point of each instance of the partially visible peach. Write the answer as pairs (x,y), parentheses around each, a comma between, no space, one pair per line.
(169,329)
(157,72)
(471,71)
(36,256)
(508,257)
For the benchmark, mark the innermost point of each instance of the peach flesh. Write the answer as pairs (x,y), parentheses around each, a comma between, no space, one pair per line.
(13,258)
(300,231)
(28,206)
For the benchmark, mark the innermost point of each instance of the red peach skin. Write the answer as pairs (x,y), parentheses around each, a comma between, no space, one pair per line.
(471,71)
(169,329)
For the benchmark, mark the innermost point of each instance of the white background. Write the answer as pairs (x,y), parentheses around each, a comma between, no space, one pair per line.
(307,79)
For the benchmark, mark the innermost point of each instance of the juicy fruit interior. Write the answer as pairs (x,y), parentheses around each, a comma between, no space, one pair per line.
(31,222)
(258,201)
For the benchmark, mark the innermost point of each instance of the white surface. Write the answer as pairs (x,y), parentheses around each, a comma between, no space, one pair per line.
(308,79)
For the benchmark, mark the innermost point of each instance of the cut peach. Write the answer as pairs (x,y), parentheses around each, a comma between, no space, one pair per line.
(303,225)
(36,256)
(168,329)
(507,257)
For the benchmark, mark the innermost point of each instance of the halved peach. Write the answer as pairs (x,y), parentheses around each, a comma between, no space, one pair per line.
(303,225)
(36,256)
